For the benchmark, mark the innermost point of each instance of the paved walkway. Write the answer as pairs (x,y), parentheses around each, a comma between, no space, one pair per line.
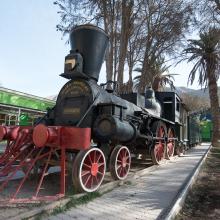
(148,198)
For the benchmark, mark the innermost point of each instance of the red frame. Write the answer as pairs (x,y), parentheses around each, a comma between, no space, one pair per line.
(24,141)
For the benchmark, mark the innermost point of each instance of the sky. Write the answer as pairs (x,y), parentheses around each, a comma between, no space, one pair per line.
(32,52)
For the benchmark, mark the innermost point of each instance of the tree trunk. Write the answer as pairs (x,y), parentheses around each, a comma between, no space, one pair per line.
(156,84)
(126,9)
(109,61)
(214,103)
(146,76)
(108,26)
(130,81)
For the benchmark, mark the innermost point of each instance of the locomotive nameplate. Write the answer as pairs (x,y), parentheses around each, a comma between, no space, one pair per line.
(75,88)
(75,111)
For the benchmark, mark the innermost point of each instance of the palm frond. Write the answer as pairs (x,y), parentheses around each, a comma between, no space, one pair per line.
(205,53)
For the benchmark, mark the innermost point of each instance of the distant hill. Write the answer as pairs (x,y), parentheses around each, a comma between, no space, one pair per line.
(202,93)
(181,90)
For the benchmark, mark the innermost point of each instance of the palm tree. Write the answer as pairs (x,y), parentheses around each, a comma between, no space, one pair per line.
(205,54)
(159,80)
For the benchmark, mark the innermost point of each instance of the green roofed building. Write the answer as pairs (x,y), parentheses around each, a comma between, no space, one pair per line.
(18,108)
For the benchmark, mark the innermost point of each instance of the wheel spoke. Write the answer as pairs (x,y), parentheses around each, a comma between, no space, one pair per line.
(87,180)
(85,173)
(100,172)
(171,144)
(120,156)
(127,164)
(90,159)
(127,158)
(92,182)
(101,164)
(87,165)
(99,158)
(120,171)
(119,166)
(124,171)
(125,152)
(94,157)
(96,179)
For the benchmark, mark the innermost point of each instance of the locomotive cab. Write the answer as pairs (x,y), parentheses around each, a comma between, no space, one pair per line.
(171,105)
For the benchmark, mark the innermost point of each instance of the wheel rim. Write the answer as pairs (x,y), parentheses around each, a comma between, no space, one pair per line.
(159,146)
(171,143)
(92,170)
(122,162)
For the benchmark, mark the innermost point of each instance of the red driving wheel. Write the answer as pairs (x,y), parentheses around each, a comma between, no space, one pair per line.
(170,143)
(158,150)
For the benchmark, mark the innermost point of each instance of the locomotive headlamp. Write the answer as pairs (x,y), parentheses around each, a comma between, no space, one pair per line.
(69,64)
(73,66)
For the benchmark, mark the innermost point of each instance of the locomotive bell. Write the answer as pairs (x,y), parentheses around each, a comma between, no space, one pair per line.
(88,45)
(149,93)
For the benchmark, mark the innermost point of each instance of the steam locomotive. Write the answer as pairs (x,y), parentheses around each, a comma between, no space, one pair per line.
(93,127)
(119,125)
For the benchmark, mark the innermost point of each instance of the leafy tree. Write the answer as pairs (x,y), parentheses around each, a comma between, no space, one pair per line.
(165,24)
(193,103)
(115,16)
(161,80)
(140,31)
(205,53)
(208,13)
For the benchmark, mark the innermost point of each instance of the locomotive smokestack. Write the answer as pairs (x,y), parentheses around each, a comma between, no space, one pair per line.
(88,45)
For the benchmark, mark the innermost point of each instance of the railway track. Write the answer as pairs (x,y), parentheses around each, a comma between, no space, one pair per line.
(137,164)
(51,184)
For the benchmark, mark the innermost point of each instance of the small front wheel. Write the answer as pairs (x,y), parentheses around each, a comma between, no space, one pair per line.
(88,170)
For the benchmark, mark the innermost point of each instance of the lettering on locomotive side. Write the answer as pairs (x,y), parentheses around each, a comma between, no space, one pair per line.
(76,88)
